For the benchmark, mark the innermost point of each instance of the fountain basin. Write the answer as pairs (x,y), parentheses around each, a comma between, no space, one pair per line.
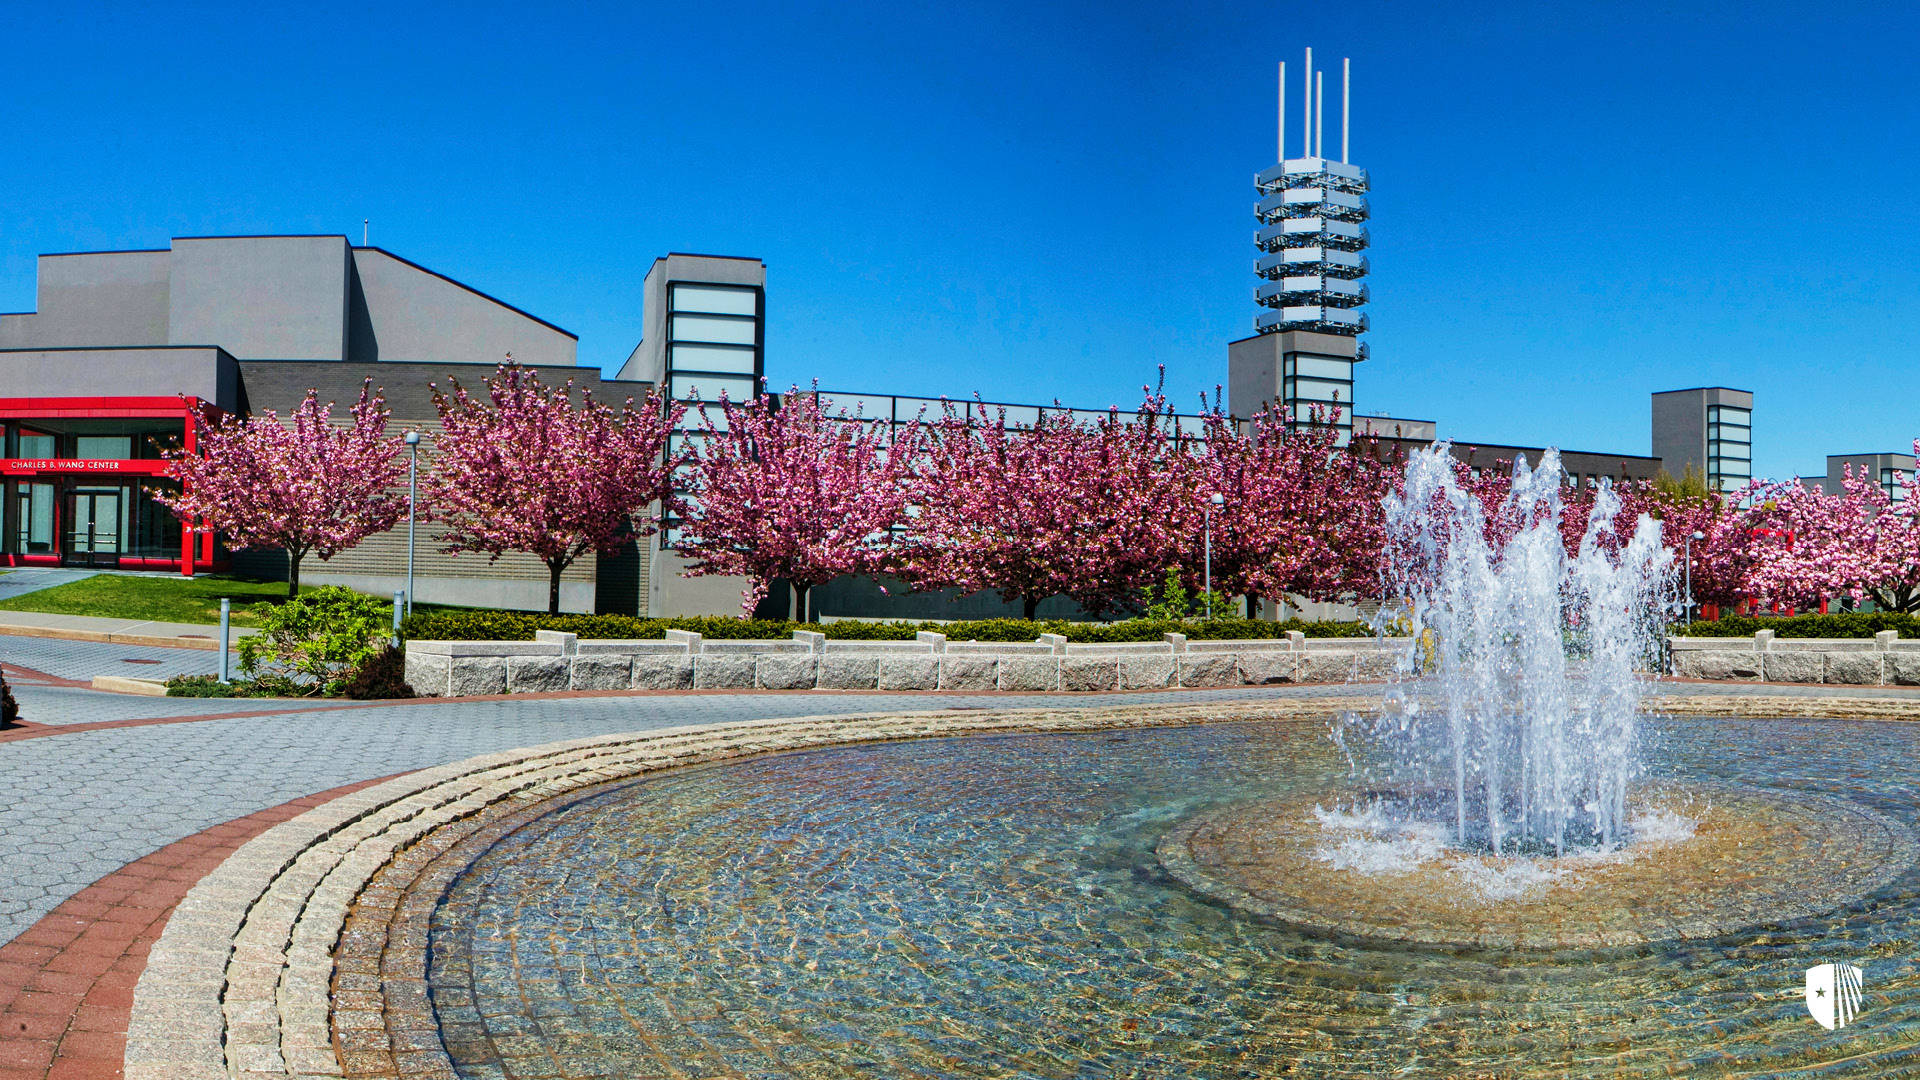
(1754,856)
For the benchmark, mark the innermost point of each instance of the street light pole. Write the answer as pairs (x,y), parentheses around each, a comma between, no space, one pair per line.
(413,473)
(1691,537)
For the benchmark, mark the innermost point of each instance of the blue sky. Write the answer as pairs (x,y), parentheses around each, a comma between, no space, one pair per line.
(1573,206)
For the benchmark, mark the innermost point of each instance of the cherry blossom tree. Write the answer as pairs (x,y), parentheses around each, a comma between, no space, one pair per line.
(546,470)
(305,485)
(1089,511)
(791,492)
(1301,514)
(1813,545)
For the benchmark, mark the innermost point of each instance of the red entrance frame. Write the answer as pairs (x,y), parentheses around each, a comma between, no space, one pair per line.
(184,408)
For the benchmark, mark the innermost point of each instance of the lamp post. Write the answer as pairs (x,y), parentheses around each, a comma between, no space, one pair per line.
(1214,502)
(412,439)
(1691,537)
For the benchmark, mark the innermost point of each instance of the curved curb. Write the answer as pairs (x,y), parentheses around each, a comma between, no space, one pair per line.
(239,983)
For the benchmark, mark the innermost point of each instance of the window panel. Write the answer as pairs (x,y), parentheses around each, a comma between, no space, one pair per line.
(715,300)
(711,328)
(1322,367)
(710,387)
(103,447)
(730,358)
(36,446)
(1320,390)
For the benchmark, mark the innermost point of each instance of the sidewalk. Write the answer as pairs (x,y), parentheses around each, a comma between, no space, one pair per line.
(119,631)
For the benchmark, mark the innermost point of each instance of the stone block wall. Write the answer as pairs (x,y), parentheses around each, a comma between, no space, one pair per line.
(683,661)
(1883,660)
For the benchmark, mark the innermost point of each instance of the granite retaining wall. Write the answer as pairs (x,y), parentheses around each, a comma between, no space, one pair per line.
(685,661)
(1882,660)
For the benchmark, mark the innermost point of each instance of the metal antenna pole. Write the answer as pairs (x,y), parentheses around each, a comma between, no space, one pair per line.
(1306,115)
(1319,114)
(1346,103)
(1282,143)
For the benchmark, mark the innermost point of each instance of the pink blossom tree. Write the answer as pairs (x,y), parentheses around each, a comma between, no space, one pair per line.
(1300,513)
(546,470)
(305,486)
(1089,511)
(791,492)
(1813,545)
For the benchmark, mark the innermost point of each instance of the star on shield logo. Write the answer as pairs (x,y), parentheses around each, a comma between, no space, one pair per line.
(1833,994)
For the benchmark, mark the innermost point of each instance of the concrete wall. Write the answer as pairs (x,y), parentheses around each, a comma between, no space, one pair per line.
(94,298)
(205,373)
(404,312)
(276,297)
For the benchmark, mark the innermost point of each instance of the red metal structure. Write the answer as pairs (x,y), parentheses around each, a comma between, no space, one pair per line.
(80,475)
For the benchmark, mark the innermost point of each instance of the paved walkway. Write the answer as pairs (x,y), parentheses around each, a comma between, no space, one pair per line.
(81,804)
(22,580)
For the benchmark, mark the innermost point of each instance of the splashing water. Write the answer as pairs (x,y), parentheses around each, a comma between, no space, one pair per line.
(1516,727)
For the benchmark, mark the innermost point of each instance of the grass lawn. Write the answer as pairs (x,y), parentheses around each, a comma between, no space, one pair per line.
(158,597)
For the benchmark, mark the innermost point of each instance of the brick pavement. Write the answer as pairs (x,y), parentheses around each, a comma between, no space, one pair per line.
(66,983)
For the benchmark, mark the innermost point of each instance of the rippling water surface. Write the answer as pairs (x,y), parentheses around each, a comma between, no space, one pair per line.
(991,907)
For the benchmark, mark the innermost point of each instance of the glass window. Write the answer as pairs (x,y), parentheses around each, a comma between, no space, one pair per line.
(34,515)
(103,447)
(865,406)
(712,328)
(1322,367)
(710,387)
(1319,390)
(730,358)
(715,300)
(34,445)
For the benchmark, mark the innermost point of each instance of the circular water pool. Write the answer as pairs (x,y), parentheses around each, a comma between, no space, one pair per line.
(980,907)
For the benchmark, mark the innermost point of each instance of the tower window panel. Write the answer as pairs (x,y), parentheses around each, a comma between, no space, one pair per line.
(710,387)
(1320,367)
(714,329)
(715,300)
(736,359)
(1320,389)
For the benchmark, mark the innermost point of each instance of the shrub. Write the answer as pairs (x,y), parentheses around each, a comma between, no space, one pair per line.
(9,708)
(316,639)
(208,686)
(1845,624)
(382,676)
(520,626)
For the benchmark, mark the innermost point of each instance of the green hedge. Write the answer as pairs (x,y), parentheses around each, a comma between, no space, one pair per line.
(520,626)
(1854,624)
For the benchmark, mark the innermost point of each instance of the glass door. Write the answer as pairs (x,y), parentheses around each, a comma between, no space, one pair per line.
(94,526)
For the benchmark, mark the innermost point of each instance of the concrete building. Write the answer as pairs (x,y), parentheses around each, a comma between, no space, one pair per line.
(1708,429)
(125,346)
(1892,471)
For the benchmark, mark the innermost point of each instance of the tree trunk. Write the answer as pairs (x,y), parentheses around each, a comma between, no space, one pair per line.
(553,586)
(800,613)
(1253,605)
(1028,606)
(293,571)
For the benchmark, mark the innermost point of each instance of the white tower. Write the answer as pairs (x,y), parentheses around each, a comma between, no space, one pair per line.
(1312,270)
(1312,214)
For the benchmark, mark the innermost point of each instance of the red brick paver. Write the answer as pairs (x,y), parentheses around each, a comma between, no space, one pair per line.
(66,983)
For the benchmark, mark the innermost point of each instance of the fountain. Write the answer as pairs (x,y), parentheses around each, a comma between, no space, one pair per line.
(1499,796)
(1507,869)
